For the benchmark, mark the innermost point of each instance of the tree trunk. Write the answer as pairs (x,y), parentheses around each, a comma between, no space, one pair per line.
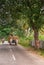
(37,44)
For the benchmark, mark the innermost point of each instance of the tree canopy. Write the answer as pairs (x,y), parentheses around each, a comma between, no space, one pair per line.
(12,11)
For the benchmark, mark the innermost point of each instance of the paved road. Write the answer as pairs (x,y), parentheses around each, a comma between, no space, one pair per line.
(17,55)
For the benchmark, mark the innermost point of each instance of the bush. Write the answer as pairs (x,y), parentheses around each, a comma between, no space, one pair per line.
(25,41)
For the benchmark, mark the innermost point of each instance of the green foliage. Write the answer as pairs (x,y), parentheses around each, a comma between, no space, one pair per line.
(24,41)
(18,32)
(11,10)
(28,12)
(4,32)
(41,37)
(33,8)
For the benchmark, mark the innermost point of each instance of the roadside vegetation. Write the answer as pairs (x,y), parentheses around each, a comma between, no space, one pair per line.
(25,42)
(24,18)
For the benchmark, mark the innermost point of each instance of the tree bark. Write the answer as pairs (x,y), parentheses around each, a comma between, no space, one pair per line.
(37,43)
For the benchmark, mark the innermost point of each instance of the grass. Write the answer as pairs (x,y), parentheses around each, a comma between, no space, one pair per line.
(41,52)
(36,51)
(26,43)
(0,43)
(41,37)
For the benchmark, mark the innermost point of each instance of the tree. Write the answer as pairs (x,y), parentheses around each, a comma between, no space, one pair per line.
(33,10)
(11,11)
(8,14)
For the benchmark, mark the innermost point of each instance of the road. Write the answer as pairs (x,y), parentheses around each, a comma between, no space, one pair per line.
(17,55)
